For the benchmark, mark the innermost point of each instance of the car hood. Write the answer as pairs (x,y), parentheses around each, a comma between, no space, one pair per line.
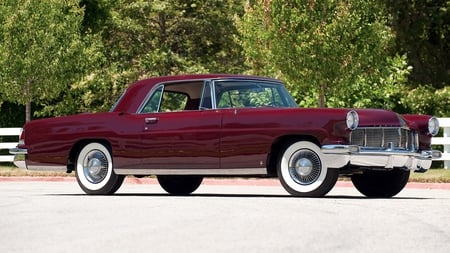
(379,117)
(367,117)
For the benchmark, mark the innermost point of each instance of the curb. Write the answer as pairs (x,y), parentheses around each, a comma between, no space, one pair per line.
(217,181)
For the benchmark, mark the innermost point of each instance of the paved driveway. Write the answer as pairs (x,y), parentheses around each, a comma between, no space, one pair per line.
(222,216)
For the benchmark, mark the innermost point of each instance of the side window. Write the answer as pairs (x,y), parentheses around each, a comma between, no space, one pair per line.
(173,101)
(165,100)
(152,104)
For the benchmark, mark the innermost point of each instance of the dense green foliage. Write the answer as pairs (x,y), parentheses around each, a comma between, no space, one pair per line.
(422,29)
(423,32)
(72,56)
(152,38)
(334,52)
(42,51)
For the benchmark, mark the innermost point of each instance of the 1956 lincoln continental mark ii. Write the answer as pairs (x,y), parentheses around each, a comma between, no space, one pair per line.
(183,128)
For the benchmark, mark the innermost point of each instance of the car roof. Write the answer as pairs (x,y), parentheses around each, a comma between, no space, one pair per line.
(137,91)
(156,80)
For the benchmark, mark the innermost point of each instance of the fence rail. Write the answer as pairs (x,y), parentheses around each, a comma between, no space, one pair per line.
(13,131)
(443,123)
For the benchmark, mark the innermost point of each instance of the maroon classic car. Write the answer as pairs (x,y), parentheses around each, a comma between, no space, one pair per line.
(183,128)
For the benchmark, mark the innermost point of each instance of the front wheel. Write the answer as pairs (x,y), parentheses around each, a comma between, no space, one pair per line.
(302,171)
(94,170)
(179,185)
(381,184)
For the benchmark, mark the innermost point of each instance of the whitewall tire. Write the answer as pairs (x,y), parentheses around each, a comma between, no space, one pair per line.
(94,170)
(302,170)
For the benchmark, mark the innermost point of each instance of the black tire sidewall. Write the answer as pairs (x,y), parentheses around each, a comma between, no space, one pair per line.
(381,184)
(179,184)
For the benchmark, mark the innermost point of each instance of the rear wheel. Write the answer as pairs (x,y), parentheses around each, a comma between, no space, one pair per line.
(302,171)
(381,184)
(179,185)
(94,170)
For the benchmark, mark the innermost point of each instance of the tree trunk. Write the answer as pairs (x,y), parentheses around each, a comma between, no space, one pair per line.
(28,111)
(322,91)
(28,101)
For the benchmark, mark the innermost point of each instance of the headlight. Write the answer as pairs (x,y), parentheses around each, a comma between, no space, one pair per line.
(433,126)
(352,120)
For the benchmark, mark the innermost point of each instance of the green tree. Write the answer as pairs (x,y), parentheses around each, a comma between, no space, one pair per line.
(153,38)
(177,36)
(339,50)
(422,30)
(426,99)
(42,50)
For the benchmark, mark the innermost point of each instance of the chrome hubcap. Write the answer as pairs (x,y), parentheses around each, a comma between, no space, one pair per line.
(95,166)
(304,167)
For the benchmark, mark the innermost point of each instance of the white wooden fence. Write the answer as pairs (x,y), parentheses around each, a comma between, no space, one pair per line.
(445,141)
(7,145)
(443,123)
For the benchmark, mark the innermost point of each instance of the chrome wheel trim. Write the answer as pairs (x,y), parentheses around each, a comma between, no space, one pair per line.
(94,166)
(305,167)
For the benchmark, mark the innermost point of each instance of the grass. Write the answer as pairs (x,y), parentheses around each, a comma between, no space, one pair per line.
(431,176)
(9,170)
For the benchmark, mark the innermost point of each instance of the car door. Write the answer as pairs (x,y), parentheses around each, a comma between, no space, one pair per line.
(246,138)
(178,139)
(248,125)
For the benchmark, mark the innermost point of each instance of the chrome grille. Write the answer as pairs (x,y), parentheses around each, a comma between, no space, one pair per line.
(382,137)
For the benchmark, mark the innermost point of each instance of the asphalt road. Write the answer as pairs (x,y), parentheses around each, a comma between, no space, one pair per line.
(57,217)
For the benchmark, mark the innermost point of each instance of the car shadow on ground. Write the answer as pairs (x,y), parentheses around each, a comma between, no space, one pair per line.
(233,195)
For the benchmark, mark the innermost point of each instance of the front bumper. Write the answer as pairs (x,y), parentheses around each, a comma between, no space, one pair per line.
(338,156)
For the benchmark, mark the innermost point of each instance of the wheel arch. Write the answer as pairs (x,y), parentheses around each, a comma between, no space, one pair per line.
(76,148)
(279,144)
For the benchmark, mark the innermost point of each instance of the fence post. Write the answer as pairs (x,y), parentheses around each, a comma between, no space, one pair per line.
(447,146)
(444,141)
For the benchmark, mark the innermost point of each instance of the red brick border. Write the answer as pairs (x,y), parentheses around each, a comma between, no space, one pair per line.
(217,181)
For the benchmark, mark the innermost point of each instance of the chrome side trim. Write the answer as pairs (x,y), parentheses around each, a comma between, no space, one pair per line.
(240,171)
(61,168)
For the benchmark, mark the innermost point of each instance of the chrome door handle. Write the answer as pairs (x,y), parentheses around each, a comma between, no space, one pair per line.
(151,120)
